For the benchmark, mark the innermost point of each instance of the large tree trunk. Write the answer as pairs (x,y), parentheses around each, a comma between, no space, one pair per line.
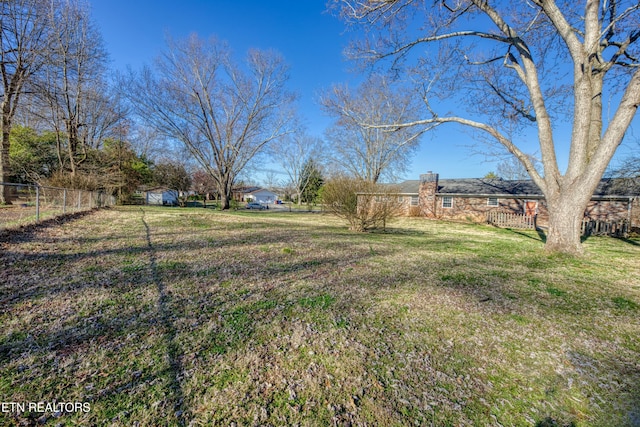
(225,189)
(566,205)
(224,201)
(565,218)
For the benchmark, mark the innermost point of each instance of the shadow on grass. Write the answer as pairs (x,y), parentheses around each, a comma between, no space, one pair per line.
(316,290)
(589,369)
(552,422)
(26,233)
(542,237)
(123,278)
(633,242)
(174,355)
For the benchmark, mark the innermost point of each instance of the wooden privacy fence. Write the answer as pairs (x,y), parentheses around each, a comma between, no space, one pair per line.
(589,227)
(511,220)
(604,228)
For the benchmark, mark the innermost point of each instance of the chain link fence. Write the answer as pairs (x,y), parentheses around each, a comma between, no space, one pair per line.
(30,204)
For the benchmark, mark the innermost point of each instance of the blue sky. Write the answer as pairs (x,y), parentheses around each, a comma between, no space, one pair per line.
(310,39)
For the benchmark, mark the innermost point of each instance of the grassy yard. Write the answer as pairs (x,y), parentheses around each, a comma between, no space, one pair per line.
(189,316)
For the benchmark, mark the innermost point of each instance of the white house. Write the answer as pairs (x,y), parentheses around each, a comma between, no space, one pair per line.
(255,194)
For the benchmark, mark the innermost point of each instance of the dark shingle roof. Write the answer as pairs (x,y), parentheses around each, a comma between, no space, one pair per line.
(608,187)
(618,187)
(481,186)
(246,190)
(411,186)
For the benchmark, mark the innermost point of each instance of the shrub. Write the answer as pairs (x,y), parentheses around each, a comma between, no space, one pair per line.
(364,204)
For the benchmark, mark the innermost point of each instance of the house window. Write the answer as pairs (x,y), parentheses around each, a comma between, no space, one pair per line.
(414,200)
(492,201)
(447,202)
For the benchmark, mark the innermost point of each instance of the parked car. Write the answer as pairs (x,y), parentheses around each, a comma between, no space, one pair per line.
(256,205)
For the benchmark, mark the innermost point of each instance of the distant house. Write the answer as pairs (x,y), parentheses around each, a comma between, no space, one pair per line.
(473,199)
(254,194)
(161,196)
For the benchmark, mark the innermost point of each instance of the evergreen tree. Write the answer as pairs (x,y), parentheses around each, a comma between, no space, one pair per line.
(310,182)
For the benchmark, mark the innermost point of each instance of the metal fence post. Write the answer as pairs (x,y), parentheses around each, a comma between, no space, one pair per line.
(46,203)
(37,203)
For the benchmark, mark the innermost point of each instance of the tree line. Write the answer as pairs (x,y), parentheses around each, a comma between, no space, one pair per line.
(504,68)
(64,123)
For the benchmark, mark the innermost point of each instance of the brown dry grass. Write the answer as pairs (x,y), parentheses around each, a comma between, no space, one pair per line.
(194,317)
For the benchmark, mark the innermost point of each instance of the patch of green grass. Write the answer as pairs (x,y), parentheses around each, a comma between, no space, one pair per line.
(342,323)
(210,271)
(172,266)
(93,269)
(625,304)
(462,279)
(319,301)
(235,328)
(522,320)
(133,268)
(199,223)
(264,305)
(228,377)
(556,292)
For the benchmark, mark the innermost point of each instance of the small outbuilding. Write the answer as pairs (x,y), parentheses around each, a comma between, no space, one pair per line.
(162,197)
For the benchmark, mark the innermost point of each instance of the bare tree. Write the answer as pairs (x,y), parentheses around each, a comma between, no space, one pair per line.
(223,115)
(512,168)
(360,146)
(204,185)
(23,38)
(272,181)
(72,85)
(629,169)
(147,142)
(293,152)
(524,62)
(104,115)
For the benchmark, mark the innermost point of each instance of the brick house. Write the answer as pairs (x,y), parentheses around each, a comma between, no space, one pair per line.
(472,199)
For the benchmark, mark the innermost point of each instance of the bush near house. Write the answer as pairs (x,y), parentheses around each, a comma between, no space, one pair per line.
(363,204)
